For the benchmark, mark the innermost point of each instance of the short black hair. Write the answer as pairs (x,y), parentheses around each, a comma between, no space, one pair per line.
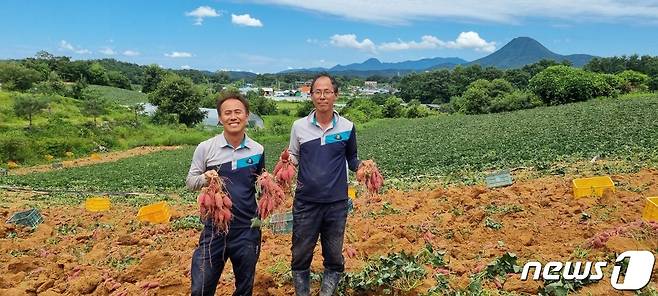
(231,94)
(324,74)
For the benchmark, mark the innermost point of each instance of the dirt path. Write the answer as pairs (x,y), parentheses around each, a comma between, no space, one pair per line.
(75,252)
(100,158)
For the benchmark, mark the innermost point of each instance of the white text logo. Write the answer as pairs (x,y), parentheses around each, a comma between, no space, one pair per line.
(638,273)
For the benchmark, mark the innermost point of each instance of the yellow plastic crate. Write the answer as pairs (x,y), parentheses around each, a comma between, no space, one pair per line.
(351,192)
(97,204)
(95,156)
(650,212)
(584,187)
(154,213)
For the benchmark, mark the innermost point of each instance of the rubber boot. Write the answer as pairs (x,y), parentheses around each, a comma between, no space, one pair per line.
(301,281)
(330,280)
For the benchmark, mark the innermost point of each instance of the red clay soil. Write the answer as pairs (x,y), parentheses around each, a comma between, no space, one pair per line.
(75,252)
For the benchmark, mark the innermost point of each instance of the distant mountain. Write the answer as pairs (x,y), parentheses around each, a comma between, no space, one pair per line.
(523,51)
(373,66)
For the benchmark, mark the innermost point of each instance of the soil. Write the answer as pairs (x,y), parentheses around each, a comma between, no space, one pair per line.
(75,252)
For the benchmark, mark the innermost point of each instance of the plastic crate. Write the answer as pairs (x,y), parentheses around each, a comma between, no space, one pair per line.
(97,204)
(594,186)
(154,213)
(650,212)
(30,218)
(499,179)
(351,192)
(281,223)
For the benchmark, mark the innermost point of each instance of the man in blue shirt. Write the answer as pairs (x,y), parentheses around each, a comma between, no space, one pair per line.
(238,159)
(323,145)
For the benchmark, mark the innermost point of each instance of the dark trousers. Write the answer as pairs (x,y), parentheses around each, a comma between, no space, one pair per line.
(326,220)
(242,246)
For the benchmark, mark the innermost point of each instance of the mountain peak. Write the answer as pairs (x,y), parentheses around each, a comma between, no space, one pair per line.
(522,51)
(371,61)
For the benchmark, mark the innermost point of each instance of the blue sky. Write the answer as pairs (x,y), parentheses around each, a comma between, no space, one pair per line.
(266,36)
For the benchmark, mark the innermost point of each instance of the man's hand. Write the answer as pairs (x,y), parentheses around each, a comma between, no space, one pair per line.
(211,174)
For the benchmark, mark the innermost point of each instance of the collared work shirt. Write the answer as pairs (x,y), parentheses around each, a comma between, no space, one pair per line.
(238,166)
(322,156)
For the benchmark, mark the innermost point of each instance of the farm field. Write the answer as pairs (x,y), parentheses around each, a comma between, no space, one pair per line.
(436,231)
(468,227)
(455,149)
(118,95)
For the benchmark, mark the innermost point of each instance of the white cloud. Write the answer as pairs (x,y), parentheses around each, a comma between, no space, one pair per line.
(245,20)
(131,53)
(350,41)
(426,42)
(64,45)
(506,11)
(465,40)
(472,40)
(178,54)
(202,12)
(185,67)
(107,51)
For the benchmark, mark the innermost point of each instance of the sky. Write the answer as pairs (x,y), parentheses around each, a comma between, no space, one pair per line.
(268,36)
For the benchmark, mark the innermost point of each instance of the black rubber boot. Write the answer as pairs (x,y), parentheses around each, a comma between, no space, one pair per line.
(330,280)
(301,281)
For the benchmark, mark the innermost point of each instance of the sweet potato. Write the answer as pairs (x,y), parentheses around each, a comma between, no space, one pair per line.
(284,170)
(271,195)
(368,174)
(215,203)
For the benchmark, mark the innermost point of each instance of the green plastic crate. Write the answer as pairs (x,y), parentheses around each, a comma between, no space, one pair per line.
(30,218)
(281,223)
(499,179)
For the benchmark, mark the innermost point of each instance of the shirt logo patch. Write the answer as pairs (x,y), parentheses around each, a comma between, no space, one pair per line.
(250,161)
(338,137)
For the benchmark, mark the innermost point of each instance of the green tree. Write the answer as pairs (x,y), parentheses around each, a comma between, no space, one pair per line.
(653,83)
(94,107)
(634,81)
(362,110)
(17,77)
(98,74)
(475,100)
(393,108)
(118,79)
(416,110)
(305,108)
(563,84)
(152,77)
(177,95)
(78,91)
(220,77)
(480,95)
(27,106)
(260,104)
(379,99)
(517,77)
(427,87)
(515,100)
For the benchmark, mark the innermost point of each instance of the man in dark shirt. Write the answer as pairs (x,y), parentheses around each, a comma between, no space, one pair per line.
(323,145)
